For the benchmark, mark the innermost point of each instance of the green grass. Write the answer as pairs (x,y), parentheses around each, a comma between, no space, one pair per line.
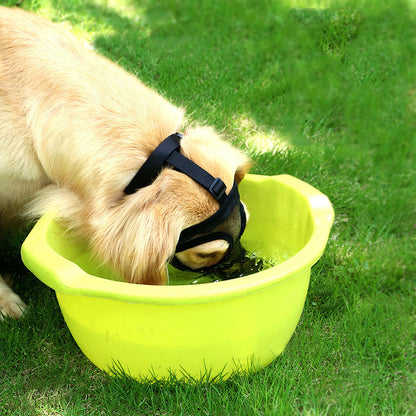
(322,90)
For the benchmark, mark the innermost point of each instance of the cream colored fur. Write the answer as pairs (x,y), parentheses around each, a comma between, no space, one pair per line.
(74,129)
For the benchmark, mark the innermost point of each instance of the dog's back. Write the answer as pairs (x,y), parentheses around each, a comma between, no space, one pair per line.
(54,88)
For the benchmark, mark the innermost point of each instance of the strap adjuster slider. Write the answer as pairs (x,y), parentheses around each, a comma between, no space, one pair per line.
(217,189)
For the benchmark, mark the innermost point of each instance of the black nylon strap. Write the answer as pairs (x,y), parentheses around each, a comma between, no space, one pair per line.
(243,218)
(154,164)
(215,186)
(167,154)
(218,217)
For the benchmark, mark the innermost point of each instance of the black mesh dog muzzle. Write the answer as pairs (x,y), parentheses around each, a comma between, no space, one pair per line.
(168,154)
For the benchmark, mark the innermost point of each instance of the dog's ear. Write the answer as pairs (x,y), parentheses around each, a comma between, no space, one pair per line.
(156,240)
(137,236)
(146,244)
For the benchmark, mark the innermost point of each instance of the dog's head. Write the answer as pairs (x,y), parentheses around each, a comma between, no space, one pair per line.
(147,224)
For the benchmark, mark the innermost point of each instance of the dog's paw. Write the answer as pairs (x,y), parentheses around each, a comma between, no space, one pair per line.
(10,303)
(12,306)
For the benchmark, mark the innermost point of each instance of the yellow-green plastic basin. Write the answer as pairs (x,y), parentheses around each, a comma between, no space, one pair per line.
(192,331)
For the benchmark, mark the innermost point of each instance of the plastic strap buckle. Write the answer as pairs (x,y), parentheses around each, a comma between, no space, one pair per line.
(217,189)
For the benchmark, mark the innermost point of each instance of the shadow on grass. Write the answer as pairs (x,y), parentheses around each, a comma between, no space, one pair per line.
(336,81)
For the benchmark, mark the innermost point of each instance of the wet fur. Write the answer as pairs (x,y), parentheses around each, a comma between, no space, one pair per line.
(74,129)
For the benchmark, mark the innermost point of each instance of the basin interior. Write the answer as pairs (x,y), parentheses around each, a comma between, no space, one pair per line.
(280,224)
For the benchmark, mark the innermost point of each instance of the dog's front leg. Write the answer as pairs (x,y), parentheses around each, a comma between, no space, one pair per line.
(10,303)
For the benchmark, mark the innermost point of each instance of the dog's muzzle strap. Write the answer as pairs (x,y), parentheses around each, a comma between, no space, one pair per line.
(153,165)
(212,222)
(167,154)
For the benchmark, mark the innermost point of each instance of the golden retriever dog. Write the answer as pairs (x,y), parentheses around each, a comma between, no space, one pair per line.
(74,130)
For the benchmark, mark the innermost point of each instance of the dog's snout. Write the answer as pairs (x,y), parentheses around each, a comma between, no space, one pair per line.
(209,259)
(204,255)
